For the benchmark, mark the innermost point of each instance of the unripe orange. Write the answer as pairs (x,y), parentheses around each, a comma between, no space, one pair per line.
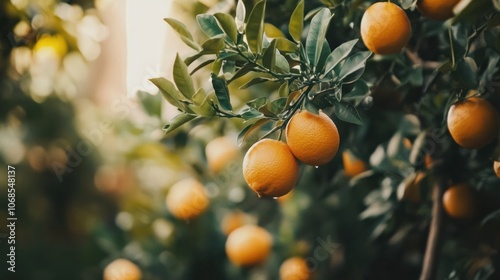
(248,245)
(313,139)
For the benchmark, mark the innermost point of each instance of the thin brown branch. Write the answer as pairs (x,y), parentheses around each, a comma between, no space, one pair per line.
(432,250)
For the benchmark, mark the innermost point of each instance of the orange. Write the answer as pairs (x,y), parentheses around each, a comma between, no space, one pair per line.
(232,221)
(352,165)
(437,9)
(220,151)
(313,139)
(270,169)
(385,28)
(458,201)
(496,168)
(248,245)
(295,269)
(122,269)
(187,199)
(412,188)
(55,44)
(473,123)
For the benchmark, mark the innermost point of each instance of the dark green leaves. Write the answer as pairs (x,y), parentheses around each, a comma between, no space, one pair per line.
(255,27)
(316,36)
(467,70)
(208,25)
(346,112)
(221,92)
(338,55)
(296,24)
(352,64)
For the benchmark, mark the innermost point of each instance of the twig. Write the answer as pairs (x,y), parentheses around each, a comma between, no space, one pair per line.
(432,250)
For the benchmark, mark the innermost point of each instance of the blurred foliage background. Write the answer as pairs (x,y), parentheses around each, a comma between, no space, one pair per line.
(93,166)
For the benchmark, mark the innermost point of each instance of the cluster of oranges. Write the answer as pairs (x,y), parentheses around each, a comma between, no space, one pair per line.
(386,29)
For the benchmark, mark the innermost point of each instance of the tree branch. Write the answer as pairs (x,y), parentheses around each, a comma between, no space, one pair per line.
(433,248)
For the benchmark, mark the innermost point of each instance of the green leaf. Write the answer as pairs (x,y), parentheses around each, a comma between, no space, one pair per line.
(250,113)
(201,65)
(183,33)
(325,52)
(208,25)
(467,70)
(310,107)
(201,104)
(346,112)
(406,4)
(226,21)
(257,103)
(222,92)
(281,63)
(168,91)
(417,150)
(353,63)
(182,79)
(338,55)
(255,27)
(217,66)
(241,72)
(277,106)
(151,103)
(229,67)
(178,121)
(354,76)
(192,58)
(269,56)
(213,45)
(240,17)
(255,81)
(296,24)
(249,129)
(285,45)
(284,90)
(358,93)
(316,35)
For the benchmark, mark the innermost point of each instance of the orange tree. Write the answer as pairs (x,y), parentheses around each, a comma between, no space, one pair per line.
(431,69)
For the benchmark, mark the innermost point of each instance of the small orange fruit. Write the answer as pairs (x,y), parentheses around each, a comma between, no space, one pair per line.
(458,201)
(496,168)
(385,28)
(473,123)
(437,9)
(313,139)
(122,269)
(295,269)
(187,199)
(412,188)
(352,165)
(219,152)
(248,245)
(270,169)
(232,221)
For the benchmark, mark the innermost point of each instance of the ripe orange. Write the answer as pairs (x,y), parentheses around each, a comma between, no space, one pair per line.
(122,269)
(496,168)
(352,165)
(473,123)
(232,221)
(313,139)
(385,28)
(412,188)
(437,9)
(270,169)
(219,152)
(294,269)
(248,245)
(187,199)
(458,201)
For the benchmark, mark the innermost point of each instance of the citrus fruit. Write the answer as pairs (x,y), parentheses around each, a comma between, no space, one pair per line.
(473,123)
(232,221)
(352,165)
(436,9)
(122,269)
(313,139)
(458,201)
(385,28)
(248,245)
(220,151)
(187,199)
(496,168)
(270,169)
(294,269)
(412,188)
(55,44)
